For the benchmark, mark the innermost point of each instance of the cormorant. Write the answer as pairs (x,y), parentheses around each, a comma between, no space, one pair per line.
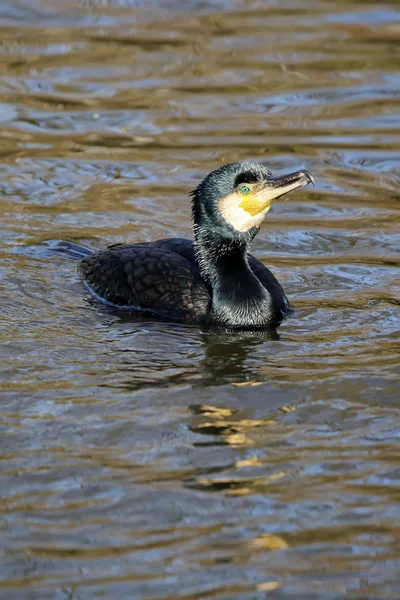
(212,280)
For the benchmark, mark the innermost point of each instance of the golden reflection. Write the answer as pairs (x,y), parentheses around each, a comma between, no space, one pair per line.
(248,383)
(224,426)
(256,422)
(268,541)
(213,411)
(254,461)
(232,432)
(237,439)
(244,491)
(268,586)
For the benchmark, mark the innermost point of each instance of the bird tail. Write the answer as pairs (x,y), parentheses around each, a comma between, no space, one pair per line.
(68,249)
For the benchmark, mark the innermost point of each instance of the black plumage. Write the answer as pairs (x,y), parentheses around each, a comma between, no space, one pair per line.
(212,280)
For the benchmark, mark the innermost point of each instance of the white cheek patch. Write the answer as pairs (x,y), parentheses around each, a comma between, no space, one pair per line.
(236,216)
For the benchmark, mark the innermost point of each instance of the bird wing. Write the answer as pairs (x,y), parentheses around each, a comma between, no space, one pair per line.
(149,276)
(181,246)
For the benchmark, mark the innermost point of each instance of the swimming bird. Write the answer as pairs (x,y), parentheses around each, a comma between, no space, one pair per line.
(212,280)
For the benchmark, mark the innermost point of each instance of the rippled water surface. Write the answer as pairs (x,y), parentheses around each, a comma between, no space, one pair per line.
(147,460)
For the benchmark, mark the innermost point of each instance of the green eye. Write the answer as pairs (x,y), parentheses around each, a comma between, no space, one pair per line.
(244,189)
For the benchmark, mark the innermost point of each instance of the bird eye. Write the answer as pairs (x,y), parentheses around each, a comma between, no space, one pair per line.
(244,189)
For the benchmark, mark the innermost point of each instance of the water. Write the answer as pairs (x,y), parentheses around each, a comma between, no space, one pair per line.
(147,460)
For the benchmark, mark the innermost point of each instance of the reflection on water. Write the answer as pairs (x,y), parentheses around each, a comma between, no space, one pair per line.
(227,356)
(151,460)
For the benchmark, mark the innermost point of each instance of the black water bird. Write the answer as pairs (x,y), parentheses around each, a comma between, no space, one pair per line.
(212,280)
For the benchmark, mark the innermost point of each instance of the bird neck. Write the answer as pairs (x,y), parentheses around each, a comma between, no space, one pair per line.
(238,297)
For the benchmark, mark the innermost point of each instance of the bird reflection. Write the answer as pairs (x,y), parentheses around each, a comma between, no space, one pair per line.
(226,355)
(221,356)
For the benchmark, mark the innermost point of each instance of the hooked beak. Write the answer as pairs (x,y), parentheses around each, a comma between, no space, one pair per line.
(275,187)
(265,193)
